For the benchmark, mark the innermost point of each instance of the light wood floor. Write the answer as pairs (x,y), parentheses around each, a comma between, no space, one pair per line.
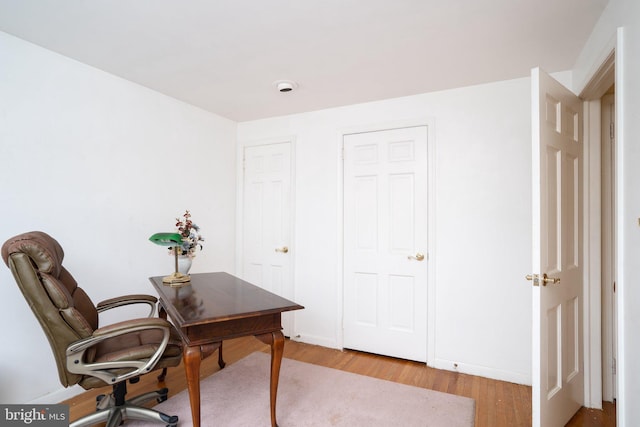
(498,403)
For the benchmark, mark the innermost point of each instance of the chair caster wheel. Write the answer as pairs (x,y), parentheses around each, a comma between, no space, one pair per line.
(171,419)
(103,401)
(163,395)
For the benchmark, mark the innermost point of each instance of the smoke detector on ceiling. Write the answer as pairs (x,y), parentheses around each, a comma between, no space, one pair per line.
(285,85)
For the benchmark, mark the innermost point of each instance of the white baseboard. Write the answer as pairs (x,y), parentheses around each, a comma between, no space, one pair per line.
(316,340)
(57,396)
(482,371)
(439,363)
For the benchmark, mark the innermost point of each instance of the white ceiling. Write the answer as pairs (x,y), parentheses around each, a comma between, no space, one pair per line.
(224,55)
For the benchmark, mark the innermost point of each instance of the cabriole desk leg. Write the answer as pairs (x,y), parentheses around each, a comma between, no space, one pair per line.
(276,341)
(191,357)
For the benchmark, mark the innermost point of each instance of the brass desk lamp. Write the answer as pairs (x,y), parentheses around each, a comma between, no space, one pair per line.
(171,240)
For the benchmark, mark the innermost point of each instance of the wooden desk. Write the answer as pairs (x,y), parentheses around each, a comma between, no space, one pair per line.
(217,306)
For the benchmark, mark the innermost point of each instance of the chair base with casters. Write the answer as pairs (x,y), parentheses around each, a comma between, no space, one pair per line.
(114,409)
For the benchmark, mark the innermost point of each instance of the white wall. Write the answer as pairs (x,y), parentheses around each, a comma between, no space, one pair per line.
(100,164)
(482,140)
(624,15)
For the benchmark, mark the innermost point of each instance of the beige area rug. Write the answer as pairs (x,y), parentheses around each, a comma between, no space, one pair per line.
(311,395)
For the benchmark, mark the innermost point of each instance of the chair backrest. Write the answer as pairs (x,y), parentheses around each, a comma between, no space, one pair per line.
(65,311)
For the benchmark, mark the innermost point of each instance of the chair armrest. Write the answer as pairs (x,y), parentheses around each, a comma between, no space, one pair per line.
(128,300)
(76,351)
(131,325)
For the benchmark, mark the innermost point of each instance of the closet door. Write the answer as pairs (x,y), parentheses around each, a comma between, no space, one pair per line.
(385,242)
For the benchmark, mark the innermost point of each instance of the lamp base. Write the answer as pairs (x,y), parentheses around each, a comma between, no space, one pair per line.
(176,278)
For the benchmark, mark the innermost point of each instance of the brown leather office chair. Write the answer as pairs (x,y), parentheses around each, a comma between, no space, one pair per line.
(86,354)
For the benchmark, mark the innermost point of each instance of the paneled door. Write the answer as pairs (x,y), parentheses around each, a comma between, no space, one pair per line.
(385,242)
(558,369)
(267,214)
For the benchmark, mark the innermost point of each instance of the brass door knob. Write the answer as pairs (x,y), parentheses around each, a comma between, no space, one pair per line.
(552,280)
(418,256)
(283,249)
(544,279)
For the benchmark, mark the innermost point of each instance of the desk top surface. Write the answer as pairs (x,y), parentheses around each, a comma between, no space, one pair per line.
(217,297)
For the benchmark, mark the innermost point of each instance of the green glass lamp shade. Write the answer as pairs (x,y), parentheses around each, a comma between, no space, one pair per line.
(166,239)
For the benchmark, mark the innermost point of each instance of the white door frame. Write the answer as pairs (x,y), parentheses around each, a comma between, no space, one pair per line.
(431,222)
(609,335)
(599,82)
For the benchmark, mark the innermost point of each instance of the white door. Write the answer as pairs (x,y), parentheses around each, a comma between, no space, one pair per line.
(267,217)
(558,375)
(385,239)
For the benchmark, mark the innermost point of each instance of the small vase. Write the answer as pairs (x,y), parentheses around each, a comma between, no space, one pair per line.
(184,264)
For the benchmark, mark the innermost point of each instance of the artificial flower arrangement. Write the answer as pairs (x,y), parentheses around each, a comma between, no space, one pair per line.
(191,238)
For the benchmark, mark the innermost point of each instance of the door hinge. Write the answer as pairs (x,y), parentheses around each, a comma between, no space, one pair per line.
(614,287)
(612,131)
(613,366)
